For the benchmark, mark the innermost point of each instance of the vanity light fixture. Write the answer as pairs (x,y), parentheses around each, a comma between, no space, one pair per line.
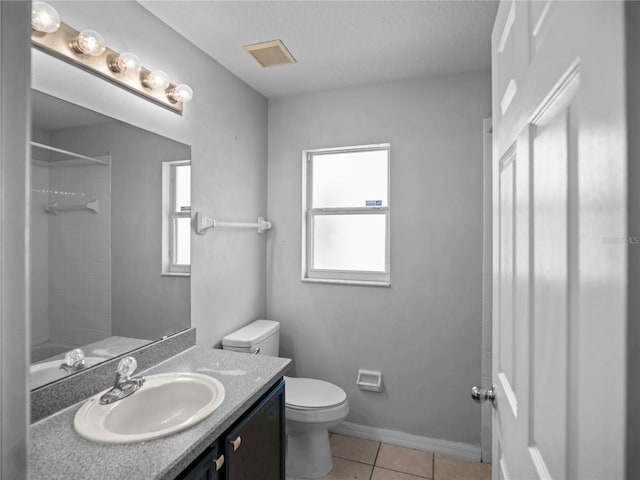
(44,18)
(87,49)
(155,80)
(89,42)
(124,63)
(182,93)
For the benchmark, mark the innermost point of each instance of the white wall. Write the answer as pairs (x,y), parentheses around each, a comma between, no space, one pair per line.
(225,125)
(424,332)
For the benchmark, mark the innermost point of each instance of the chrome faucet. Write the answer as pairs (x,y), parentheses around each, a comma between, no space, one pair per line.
(124,385)
(73,361)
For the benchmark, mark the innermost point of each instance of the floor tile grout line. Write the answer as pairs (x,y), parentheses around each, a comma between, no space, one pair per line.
(338,455)
(352,460)
(389,469)
(375,460)
(400,471)
(433,466)
(417,476)
(404,473)
(374,467)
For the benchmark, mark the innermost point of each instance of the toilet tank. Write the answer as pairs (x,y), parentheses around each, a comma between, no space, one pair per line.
(259,337)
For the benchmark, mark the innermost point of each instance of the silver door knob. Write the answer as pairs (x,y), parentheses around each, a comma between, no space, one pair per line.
(479,394)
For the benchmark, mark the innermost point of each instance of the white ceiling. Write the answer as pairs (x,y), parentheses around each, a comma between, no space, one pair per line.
(337,43)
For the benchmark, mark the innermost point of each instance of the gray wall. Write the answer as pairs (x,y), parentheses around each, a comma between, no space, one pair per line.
(226,127)
(424,332)
(144,304)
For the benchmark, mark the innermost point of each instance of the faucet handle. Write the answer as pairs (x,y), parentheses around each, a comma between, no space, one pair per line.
(126,367)
(74,357)
(124,384)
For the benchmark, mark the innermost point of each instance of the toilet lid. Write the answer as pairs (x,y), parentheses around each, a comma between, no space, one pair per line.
(312,393)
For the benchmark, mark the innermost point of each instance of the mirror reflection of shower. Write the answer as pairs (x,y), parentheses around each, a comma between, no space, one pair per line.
(71,246)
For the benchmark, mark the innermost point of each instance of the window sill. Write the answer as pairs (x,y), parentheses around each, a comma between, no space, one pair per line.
(361,283)
(175,274)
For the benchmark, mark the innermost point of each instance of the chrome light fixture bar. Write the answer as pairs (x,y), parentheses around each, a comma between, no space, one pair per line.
(87,50)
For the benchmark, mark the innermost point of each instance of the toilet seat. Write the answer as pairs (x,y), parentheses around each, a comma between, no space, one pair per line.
(312,394)
(298,418)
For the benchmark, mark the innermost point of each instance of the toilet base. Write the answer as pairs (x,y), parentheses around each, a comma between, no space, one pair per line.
(309,453)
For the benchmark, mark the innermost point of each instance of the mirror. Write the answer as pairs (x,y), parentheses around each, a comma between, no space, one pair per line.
(102,233)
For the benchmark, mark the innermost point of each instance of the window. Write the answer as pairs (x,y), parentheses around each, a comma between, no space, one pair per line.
(346,215)
(176,218)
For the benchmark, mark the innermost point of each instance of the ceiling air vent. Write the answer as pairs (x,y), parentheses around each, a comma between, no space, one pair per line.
(269,54)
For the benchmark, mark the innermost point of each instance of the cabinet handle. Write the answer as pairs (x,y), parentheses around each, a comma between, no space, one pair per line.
(236,443)
(219,462)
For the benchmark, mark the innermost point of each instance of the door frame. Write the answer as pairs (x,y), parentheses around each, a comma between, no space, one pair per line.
(15,133)
(486,429)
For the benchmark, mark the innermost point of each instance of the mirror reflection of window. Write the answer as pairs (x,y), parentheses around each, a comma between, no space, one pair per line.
(177,218)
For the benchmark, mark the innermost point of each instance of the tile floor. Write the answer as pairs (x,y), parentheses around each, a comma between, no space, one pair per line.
(357,459)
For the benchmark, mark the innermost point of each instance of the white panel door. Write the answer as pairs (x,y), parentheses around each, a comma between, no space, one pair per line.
(559,282)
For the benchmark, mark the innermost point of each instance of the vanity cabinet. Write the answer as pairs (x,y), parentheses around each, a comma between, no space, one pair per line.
(206,467)
(252,449)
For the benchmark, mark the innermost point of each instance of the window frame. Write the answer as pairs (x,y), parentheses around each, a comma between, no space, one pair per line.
(346,277)
(170,218)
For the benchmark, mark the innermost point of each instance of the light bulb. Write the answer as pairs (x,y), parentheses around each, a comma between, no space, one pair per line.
(125,62)
(44,17)
(182,93)
(156,80)
(89,42)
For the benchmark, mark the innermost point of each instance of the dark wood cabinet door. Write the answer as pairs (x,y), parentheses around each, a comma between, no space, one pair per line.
(207,467)
(254,449)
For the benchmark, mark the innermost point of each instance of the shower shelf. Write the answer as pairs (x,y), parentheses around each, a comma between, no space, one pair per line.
(69,153)
(93,206)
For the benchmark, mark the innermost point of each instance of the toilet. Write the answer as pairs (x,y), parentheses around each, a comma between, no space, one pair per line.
(312,406)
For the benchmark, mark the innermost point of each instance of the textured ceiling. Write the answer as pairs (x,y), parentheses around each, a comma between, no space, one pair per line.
(337,43)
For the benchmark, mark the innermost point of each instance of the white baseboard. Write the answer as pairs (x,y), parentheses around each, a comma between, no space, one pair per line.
(462,450)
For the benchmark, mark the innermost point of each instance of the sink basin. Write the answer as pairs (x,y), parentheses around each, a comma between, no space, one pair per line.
(167,403)
(43,373)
